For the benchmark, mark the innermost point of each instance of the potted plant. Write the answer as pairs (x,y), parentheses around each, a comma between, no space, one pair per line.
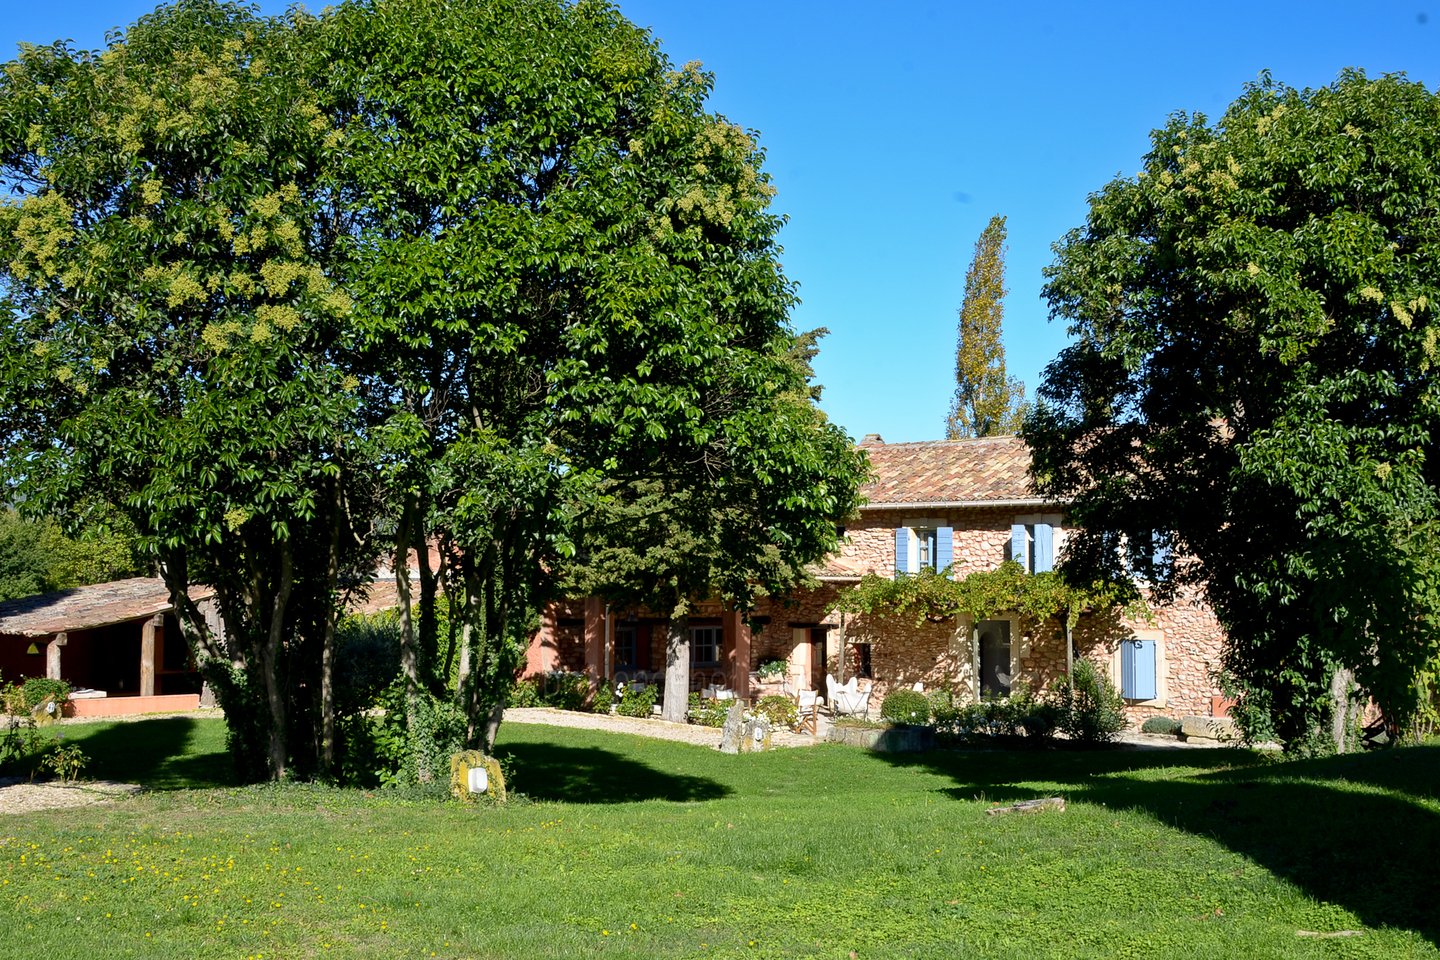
(772,670)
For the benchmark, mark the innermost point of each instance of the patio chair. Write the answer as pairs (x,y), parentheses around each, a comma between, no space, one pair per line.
(847,699)
(808,714)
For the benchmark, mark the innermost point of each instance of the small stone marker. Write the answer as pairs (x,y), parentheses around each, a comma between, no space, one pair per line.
(744,736)
(734,731)
(1030,806)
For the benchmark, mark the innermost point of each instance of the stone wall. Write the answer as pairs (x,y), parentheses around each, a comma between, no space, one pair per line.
(940,655)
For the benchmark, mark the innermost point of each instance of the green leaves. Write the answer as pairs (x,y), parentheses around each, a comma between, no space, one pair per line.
(1249,373)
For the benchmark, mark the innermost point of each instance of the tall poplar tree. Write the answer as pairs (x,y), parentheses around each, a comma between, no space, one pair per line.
(987,402)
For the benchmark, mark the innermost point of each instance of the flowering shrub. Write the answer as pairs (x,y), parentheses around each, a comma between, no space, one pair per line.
(637,703)
(708,713)
(66,760)
(772,669)
(780,711)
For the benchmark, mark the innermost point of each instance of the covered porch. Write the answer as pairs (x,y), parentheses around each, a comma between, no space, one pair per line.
(117,644)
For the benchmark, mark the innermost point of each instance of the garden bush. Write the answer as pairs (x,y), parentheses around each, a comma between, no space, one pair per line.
(1091,710)
(707,713)
(1020,713)
(36,690)
(1165,725)
(637,703)
(905,706)
(604,699)
(367,659)
(19,741)
(780,711)
(525,693)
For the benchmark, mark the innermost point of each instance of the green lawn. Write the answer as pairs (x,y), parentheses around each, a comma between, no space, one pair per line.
(640,848)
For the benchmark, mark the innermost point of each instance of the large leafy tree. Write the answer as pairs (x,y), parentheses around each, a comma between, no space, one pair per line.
(1251,387)
(172,338)
(988,401)
(567,275)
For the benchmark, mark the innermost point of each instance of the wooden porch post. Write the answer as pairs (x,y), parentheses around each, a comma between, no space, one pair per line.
(147,654)
(52,655)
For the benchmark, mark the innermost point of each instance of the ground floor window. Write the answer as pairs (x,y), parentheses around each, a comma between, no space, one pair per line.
(627,648)
(861,662)
(705,646)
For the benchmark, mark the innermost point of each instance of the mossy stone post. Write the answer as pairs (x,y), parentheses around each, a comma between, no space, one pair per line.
(460,766)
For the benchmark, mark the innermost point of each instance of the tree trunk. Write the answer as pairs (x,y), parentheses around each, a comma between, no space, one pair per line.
(428,632)
(492,726)
(1340,682)
(677,668)
(269,664)
(327,649)
(408,668)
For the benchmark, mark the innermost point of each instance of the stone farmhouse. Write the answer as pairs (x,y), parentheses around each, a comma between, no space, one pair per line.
(965,504)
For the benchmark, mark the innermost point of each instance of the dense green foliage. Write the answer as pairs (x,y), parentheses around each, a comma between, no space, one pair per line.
(1020,714)
(987,401)
(1088,707)
(792,853)
(1163,725)
(936,596)
(1251,388)
(290,292)
(36,556)
(905,706)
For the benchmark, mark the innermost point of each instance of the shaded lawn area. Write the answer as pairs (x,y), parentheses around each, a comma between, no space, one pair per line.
(639,848)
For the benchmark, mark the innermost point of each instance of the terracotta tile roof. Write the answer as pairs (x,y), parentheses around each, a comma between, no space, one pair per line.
(85,608)
(992,469)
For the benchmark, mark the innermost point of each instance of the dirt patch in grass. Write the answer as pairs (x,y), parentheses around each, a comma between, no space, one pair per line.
(21,797)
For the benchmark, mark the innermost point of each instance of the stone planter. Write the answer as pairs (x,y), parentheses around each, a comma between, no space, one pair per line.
(885,739)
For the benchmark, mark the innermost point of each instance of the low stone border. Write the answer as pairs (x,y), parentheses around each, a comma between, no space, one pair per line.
(640,727)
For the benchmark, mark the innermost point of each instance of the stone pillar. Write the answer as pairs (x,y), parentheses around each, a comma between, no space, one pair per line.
(737,652)
(52,655)
(542,654)
(595,639)
(801,658)
(148,635)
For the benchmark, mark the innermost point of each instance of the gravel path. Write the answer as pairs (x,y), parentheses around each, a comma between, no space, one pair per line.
(19,797)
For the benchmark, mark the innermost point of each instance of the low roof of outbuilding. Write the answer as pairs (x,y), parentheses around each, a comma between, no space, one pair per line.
(87,608)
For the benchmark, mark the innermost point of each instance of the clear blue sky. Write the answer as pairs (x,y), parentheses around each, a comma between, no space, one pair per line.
(895,130)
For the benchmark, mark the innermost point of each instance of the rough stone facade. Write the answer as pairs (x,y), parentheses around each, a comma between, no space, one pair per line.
(982,489)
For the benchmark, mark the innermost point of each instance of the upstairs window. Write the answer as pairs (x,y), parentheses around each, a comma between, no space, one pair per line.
(924,545)
(1032,543)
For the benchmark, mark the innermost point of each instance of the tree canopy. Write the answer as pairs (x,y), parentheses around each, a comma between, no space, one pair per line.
(1249,402)
(289,291)
(987,401)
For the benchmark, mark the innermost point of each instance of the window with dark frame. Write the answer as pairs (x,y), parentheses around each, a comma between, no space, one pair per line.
(705,645)
(627,650)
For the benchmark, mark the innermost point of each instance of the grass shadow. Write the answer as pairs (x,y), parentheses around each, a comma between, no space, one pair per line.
(1362,832)
(547,771)
(163,753)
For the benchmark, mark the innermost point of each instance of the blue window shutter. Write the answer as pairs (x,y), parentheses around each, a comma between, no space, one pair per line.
(1137,670)
(1020,545)
(944,547)
(1044,548)
(902,550)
